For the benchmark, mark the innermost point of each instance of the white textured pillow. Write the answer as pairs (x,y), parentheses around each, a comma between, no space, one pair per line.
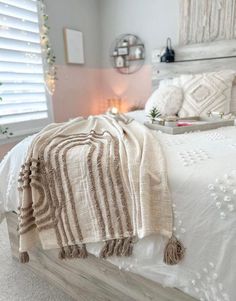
(167,99)
(206,92)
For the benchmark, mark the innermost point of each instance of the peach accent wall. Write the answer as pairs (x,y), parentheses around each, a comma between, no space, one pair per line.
(84,91)
(78,92)
(133,89)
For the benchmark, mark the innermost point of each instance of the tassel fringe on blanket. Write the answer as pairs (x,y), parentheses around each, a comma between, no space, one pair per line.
(81,184)
(173,254)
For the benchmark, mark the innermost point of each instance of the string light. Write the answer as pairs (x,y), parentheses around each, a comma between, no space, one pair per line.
(49,58)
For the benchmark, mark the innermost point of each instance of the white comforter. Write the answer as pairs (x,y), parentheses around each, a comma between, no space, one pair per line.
(202,179)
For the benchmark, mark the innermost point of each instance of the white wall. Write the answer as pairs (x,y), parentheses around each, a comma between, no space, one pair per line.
(152,20)
(83,15)
(102,21)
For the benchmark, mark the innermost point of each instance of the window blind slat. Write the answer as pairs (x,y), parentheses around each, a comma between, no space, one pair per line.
(11,104)
(16,88)
(20,13)
(24,84)
(19,57)
(24,97)
(8,77)
(21,68)
(27,5)
(19,35)
(14,44)
(26,113)
(23,117)
(16,23)
(8,109)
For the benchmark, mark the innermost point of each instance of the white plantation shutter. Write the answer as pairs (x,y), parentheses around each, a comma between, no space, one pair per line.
(25,106)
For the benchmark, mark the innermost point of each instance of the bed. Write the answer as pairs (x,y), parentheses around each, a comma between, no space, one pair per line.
(204,202)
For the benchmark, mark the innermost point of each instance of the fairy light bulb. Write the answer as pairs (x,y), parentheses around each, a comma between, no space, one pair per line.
(44,42)
(44,29)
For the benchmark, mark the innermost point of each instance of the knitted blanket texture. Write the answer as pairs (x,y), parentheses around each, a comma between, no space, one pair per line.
(95,179)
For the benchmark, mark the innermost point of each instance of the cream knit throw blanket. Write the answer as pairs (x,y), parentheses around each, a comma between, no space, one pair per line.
(90,180)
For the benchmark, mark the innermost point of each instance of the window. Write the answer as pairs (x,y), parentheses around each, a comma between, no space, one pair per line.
(24,107)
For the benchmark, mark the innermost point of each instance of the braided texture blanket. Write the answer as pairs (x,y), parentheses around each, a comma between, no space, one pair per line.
(100,179)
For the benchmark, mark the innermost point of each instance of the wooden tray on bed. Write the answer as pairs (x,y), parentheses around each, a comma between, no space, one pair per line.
(207,124)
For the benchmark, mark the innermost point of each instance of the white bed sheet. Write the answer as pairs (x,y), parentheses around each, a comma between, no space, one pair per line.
(202,178)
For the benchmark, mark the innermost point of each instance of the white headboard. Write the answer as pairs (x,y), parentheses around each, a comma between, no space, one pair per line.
(196,58)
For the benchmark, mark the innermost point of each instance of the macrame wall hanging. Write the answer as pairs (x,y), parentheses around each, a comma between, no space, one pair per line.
(207,20)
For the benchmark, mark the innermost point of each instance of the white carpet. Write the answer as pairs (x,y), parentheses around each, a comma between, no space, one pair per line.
(17,283)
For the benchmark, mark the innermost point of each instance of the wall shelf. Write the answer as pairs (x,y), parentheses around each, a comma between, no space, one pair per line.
(127,54)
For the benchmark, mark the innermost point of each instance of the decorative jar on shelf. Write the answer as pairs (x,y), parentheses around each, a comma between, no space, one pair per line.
(138,53)
(132,40)
(125,43)
(120,62)
(115,53)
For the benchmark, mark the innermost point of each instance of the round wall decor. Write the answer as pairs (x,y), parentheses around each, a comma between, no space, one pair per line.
(127,54)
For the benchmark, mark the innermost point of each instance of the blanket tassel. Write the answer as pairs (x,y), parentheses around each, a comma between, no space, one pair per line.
(174,251)
(83,252)
(24,257)
(111,248)
(75,251)
(62,254)
(79,252)
(117,247)
(104,250)
(127,247)
(70,252)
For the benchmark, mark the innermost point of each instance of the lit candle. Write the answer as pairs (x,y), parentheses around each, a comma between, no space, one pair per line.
(114,110)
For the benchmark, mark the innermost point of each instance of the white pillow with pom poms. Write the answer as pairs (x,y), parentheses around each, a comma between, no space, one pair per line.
(167,99)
